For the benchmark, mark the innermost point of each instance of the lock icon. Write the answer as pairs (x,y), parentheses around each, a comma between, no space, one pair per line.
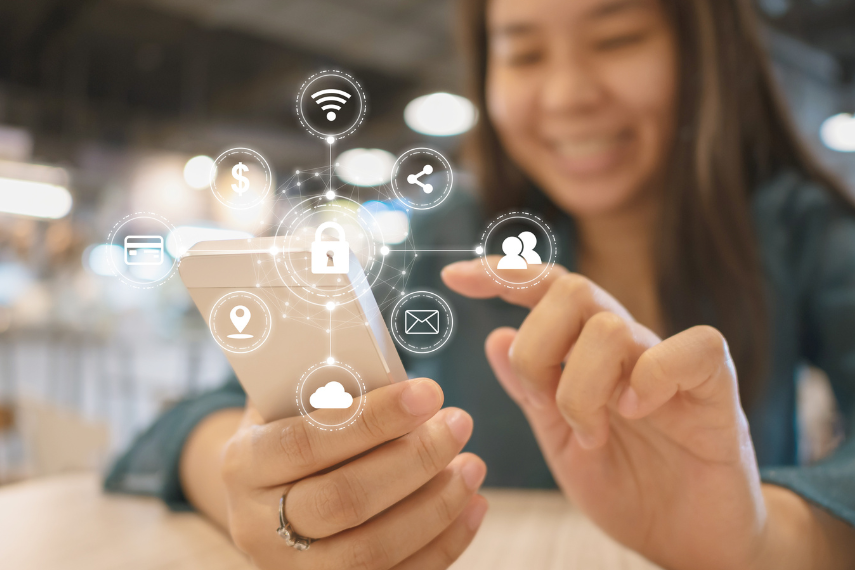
(330,257)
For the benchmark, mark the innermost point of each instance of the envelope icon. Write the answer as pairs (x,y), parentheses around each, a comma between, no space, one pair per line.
(421,322)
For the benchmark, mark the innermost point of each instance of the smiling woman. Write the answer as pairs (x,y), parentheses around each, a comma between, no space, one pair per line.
(654,129)
(625,106)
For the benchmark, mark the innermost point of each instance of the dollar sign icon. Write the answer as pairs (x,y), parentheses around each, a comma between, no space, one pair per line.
(243,182)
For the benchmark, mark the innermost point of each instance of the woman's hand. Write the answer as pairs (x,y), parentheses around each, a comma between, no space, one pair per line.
(646,436)
(389,491)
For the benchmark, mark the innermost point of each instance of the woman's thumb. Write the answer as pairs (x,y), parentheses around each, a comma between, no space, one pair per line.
(497,347)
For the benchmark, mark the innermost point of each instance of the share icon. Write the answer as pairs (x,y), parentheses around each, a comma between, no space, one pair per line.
(414,178)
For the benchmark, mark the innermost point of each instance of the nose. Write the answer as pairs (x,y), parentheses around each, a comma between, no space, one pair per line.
(570,87)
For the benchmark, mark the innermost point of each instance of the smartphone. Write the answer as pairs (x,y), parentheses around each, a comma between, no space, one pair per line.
(280,328)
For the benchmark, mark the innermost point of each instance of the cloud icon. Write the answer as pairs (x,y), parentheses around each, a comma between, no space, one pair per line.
(331,396)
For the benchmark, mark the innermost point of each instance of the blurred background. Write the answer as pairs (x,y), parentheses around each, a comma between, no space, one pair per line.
(108,107)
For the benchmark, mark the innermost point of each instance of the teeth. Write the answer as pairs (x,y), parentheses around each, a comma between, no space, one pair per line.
(586,148)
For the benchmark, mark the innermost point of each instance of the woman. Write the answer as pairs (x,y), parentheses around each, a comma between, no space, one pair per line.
(651,131)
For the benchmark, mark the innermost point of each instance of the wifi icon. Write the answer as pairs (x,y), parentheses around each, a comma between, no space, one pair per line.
(331,98)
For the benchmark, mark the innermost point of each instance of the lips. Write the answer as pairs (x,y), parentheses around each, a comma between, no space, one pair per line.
(590,154)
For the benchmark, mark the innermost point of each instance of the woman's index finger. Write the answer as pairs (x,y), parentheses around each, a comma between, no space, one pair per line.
(470,279)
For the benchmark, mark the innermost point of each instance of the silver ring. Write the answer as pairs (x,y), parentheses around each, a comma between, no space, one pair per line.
(285,530)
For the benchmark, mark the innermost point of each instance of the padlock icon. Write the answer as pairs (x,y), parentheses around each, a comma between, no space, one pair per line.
(330,257)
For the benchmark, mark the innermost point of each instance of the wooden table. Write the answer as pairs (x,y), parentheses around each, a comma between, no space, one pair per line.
(68,523)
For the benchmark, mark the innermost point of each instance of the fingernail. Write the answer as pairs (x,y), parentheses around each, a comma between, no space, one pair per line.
(475,515)
(628,403)
(473,473)
(459,424)
(420,397)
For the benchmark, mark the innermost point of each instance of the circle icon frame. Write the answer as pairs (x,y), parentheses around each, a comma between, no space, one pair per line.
(360,97)
(444,338)
(362,395)
(371,230)
(440,196)
(111,237)
(222,301)
(256,156)
(547,266)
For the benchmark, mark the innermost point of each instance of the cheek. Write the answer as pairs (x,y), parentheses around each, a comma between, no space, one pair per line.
(647,90)
(509,103)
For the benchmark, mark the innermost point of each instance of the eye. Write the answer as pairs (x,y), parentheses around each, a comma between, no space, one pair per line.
(621,41)
(523,58)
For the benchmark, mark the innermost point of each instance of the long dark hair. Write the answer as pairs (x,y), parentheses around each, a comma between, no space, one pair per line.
(732,136)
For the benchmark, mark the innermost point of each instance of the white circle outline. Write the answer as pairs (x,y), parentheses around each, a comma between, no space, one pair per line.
(393,322)
(368,231)
(360,117)
(267,314)
(362,395)
(143,216)
(553,249)
(267,175)
(406,201)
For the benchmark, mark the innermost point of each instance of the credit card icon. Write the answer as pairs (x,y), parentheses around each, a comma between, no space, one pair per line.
(143,250)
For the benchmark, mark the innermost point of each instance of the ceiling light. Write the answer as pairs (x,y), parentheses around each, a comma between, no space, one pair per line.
(440,114)
(838,132)
(365,166)
(34,190)
(35,199)
(197,171)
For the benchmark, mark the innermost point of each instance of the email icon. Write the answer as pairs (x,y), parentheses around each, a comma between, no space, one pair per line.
(421,322)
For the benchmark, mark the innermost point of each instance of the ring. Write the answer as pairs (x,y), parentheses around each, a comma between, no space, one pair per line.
(285,530)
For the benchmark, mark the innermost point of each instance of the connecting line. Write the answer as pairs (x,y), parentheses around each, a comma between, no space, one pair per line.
(330,312)
(435,250)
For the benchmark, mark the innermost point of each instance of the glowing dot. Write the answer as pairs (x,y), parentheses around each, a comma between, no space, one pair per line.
(479,250)
(328,330)
(296,172)
(330,140)
(316,174)
(307,318)
(330,195)
(284,315)
(403,272)
(336,164)
(384,250)
(330,116)
(259,262)
(330,360)
(273,250)
(287,303)
(257,285)
(330,306)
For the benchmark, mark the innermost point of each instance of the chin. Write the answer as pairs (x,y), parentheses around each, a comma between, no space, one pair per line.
(594,197)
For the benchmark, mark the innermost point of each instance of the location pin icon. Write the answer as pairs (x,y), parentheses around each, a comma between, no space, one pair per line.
(241,321)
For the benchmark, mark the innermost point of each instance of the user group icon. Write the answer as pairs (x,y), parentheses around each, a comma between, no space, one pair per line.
(518,249)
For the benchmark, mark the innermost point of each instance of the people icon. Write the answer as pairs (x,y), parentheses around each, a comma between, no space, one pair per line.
(529,241)
(519,252)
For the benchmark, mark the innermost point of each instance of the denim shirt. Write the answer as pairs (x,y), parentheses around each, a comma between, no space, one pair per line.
(807,244)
